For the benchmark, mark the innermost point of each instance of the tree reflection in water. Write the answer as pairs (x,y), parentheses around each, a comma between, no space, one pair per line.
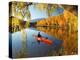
(69,38)
(23,51)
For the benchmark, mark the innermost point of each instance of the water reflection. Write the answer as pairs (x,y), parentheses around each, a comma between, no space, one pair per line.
(31,48)
(69,38)
(26,45)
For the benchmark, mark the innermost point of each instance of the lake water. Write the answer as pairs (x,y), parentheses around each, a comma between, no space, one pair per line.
(30,46)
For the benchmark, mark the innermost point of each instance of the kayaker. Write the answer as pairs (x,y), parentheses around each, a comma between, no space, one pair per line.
(39,35)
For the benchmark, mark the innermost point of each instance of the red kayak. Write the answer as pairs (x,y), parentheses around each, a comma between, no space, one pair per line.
(42,39)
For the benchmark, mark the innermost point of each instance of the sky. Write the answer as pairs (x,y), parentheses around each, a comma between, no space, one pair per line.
(38,14)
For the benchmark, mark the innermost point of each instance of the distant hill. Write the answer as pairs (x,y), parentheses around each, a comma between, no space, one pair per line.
(35,20)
